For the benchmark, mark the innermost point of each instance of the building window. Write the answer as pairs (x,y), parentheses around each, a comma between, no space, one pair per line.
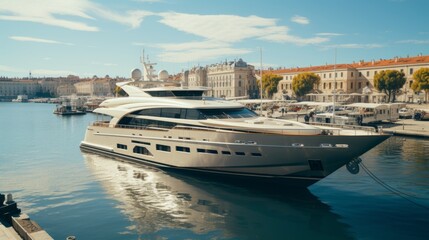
(121,146)
(164,148)
(411,71)
(330,75)
(367,73)
(375,72)
(324,85)
(411,83)
(351,74)
(341,85)
(324,75)
(341,74)
(330,85)
(359,85)
(182,149)
(360,74)
(351,85)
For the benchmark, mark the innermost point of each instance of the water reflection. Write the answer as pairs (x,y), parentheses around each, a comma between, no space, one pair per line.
(160,204)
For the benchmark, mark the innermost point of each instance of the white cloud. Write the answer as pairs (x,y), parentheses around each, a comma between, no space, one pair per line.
(48,12)
(232,28)
(414,41)
(300,20)
(38,40)
(132,18)
(5,68)
(354,46)
(57,13)
(327,34)
(52,73)
(196,55)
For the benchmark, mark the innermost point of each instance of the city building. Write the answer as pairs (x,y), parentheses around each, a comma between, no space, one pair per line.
(10,89)
(354,78)
(225,80)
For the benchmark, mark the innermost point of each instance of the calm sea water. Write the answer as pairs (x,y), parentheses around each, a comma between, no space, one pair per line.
(92,197)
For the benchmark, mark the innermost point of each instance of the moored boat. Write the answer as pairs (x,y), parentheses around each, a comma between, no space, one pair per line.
(179,129)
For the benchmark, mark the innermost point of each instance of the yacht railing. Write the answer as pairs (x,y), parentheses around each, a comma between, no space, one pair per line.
(332,129)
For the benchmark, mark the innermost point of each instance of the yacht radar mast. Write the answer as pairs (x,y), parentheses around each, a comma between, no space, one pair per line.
(149,70)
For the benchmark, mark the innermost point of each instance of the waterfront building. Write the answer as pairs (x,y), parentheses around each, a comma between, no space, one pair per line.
(66,89)
(197,76)
(95,87)
(356,77)
(11,89)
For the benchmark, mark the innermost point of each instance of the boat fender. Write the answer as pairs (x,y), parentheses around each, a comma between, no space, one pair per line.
(353,166)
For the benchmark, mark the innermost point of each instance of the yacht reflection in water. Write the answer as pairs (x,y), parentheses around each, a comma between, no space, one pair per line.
(159,203)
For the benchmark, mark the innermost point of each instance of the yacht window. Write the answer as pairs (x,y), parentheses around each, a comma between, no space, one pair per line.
(182,149)
(210,151)
(162,93)
(164,148)
(172,112)
(141,150)
(227,113)
(226,152)
(256,154)
(240,153)
(121,146)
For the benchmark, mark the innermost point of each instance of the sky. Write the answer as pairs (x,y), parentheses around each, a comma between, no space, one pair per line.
(52,38)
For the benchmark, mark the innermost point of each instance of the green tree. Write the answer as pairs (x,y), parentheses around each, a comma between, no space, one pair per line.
(421,81)
(303,83)
(270,82)
(390,82)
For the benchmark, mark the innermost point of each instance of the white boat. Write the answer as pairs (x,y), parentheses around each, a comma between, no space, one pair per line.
(406,112)
(70,106)
(366,113)
(179,129)
(21,98)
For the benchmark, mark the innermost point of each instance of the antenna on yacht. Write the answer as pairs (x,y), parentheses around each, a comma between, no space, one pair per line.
(260,73)
(335,86)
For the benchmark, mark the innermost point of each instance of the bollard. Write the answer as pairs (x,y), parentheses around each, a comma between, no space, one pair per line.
(9,198)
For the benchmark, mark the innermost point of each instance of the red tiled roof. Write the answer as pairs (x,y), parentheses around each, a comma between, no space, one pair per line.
(360,64)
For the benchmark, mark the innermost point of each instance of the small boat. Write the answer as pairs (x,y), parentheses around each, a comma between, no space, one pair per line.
(21,98)
(69,107)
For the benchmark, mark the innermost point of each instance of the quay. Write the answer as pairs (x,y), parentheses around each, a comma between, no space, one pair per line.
(17,226)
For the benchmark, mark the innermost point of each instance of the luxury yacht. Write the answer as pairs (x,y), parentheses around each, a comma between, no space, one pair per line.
(177,128)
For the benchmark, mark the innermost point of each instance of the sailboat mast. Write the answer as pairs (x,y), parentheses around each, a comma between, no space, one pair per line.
(335,86)
(260,73)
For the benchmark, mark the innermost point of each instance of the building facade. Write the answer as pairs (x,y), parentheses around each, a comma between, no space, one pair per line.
(225,80)
(357,77)
(10,89)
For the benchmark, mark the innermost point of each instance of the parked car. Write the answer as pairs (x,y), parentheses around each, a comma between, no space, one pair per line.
(406,113)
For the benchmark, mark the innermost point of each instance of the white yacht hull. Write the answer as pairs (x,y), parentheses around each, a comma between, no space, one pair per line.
(296,159)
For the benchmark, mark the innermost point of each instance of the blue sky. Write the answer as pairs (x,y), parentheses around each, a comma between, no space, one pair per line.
(94,37)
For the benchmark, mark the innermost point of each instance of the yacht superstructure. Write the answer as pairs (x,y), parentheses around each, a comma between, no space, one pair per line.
(177,128)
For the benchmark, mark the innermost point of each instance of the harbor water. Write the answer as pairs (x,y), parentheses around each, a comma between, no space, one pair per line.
(68,192)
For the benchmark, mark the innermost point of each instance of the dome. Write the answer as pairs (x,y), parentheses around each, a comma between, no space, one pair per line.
(163,75)
(136,74)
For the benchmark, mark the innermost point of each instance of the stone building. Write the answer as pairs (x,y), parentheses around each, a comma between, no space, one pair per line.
(356,77)
(10,89)
(197,76)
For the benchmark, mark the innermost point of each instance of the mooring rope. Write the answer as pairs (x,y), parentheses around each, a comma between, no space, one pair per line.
(395,191)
